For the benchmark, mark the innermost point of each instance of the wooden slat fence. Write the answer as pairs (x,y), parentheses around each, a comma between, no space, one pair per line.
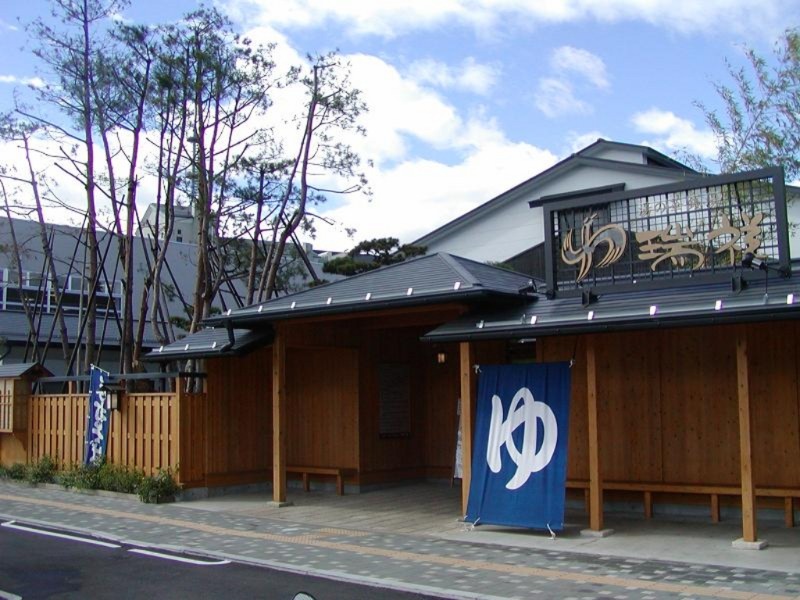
(6,406)
(145,433)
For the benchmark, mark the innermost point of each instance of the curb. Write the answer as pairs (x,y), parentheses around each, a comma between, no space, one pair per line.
(392,584)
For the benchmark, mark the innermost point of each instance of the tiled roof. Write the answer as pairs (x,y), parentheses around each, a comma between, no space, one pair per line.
(689,305)
(211,342)
(20,369)
(424,280)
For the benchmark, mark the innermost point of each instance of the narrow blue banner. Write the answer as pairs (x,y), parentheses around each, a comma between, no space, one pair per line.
(519,463)
(98,417)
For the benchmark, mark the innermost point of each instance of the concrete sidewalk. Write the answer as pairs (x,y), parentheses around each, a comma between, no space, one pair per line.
(338,537)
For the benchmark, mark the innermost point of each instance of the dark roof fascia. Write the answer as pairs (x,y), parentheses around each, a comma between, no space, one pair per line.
(637,323)
(564,316)
(665,188)
(603,189)
(664,160)
(572,161)
(173,352)
(449,296)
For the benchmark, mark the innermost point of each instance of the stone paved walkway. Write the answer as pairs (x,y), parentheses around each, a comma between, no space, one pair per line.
(410,560)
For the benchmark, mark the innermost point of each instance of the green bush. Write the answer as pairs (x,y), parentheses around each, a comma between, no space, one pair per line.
(16,471)
(159,487)
(102,476)
(42,471)
(80,477)
(118,478)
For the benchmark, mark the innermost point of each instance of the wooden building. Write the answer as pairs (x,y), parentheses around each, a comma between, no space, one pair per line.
(678,305)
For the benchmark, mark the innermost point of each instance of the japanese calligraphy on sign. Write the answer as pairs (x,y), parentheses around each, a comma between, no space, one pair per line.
(676,243)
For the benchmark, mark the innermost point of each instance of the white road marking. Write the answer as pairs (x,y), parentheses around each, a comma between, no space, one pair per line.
(9,596)
(13,525)
(191,561)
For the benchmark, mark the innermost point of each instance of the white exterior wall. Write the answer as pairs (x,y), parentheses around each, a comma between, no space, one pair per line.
(514,227)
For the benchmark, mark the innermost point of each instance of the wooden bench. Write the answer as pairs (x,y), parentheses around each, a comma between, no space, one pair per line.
(713,491)
(306,472)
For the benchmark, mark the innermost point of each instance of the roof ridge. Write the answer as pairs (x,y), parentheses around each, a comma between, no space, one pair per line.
(452,261)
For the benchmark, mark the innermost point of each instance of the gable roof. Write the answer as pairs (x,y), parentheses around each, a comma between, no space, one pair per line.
(22,369)
(429,279)
(657,163)
(707,304)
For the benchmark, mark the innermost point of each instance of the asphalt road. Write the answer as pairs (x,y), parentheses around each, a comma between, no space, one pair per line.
(38,565)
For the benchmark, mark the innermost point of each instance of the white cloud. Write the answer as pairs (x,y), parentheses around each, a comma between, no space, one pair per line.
(470,76)
(555,98)
(674,132)
(578,141)
(417,196)
(389,18)
(36,82)
(581,62)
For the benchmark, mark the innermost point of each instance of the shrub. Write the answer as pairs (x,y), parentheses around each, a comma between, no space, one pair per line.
(16,471)
(118,478)
(80,477)
(158,487)
(42,471)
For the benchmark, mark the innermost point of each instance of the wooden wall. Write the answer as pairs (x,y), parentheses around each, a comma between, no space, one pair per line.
(668,408)
(322,407)
(238,423)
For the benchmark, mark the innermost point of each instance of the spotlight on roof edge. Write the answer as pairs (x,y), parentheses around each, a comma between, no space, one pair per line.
(590,315)
(718,305)
(329,300)
(293,305)
(653,310)
(534,318)
(410,291)
(229,312)
(368,296)
(479,325)
(214,345)
(456,285)
(789,298)
(260,307)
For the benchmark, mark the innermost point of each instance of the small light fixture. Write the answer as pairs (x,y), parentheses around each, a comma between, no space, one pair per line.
(368,296)
(293,305)
(479,325)
(653,310)
(260,307)
(213,345)
(789,298)
(113,391)
(410,291)
(718,305)
(456,285)
(751,261)
(441,358)
(534,318)
(590,315)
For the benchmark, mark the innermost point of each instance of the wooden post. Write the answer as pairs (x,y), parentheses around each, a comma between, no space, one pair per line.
(595,481)
(279,418)
(749,531)
(467,393)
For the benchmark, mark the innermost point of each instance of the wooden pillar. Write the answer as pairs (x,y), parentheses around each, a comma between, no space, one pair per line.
(279,418)
(466,362)
(749,531)
(595,480)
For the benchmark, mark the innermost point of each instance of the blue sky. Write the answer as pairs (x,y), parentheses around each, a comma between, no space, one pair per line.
(470,97)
